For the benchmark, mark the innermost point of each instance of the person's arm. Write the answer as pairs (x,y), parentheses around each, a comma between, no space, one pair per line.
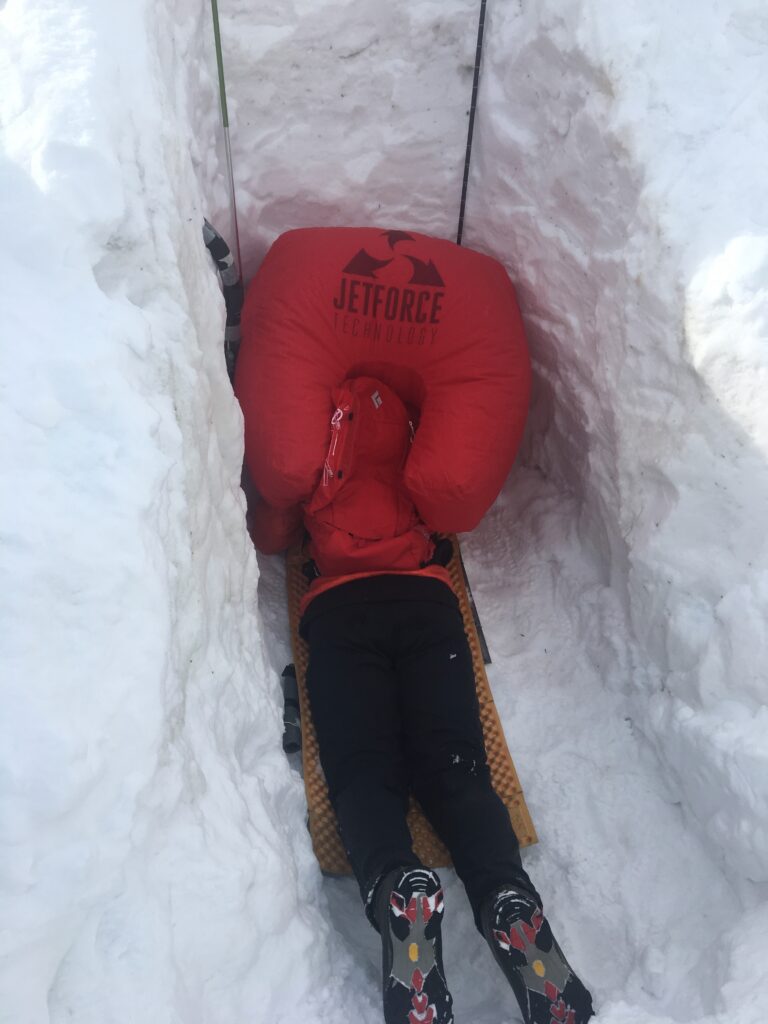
(274,529)
(271,529)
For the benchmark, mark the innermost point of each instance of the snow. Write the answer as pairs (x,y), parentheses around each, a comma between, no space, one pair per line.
(154,859)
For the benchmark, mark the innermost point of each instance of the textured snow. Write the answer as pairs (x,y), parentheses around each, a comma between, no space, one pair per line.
(154,861)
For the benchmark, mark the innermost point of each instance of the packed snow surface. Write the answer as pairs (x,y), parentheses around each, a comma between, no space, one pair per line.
(155,862)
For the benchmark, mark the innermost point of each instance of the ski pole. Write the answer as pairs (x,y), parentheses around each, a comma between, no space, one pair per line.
(225,122)
(462,206)
(471,126)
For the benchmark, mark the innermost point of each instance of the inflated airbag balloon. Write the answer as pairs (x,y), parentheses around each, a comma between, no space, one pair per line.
(437,323)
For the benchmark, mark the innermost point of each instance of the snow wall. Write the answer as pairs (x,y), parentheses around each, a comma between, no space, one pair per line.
(155,864)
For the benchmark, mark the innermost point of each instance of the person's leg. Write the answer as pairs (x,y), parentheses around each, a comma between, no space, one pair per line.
(452,782)
(352,690)
(352,693)
(446,751)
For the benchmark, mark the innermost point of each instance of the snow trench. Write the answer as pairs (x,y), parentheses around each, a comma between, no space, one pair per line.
(155,861)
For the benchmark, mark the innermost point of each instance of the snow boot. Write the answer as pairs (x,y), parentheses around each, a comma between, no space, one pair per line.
(409,914)
(543,981)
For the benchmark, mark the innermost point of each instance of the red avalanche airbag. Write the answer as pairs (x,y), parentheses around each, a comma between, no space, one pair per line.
(437,323)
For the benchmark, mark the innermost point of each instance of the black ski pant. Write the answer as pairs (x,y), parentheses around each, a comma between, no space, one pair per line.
(392,690)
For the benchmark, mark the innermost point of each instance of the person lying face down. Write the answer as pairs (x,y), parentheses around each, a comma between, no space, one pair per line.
(360,519)
(392,691)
